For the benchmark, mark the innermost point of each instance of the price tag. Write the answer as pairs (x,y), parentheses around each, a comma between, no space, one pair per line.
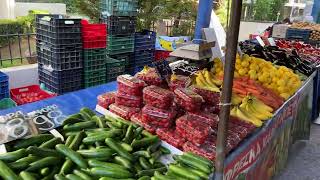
(260,41)
(272,42)
(163,69)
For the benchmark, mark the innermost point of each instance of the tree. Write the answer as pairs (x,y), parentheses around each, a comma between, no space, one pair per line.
(150,11)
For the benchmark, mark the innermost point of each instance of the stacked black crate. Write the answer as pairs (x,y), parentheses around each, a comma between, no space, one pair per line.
(120,18)
(59,51)
(144,52)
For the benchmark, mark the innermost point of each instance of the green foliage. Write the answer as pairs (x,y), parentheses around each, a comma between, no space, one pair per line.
(8,26)
(222,13)
(149,11)
(89,8)
(268,10)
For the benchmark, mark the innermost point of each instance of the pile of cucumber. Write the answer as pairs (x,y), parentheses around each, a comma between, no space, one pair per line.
(96,148)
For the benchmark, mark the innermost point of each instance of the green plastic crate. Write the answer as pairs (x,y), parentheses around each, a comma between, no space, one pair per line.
(114,68)
(119,7)
(7,103)
(94,59)
(120,45)
(94,78)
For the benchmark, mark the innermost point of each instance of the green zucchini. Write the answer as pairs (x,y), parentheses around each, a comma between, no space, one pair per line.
(119,149)
(99,121)
(54,171)
(13,156)
(73,119)
(66,167)
(73,177)
(6,173)
(129,135)
(59,177)
(88,111)
(96,163)
(51,143)
(77,141)
(183,172)
(198,159)
(82,174)
(43,152)
(97,153)
(42,163)
(123,161)
(79,126)
(27,176)
(144,163)
(102,136)
(72,155)
(150,172)
(69,140)
(145,178)
(194,164)
(113,173)
(145,142)
(35,140)
(126,146)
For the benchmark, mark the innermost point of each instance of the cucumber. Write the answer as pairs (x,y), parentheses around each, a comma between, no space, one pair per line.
(158,165)
(45,171)
(194,164)
(96,163)
(82,174)
(6,173)
(111,125)
(146,133)
(69,140)
(73,177)
(183,172)
(119,149)
(27,176)
(13,156)
(85,116)
(154,147)
(198,159)
(144,163)
(142,153)
(126,146)
(150,172)
(113,173)
(54,171)
(96,130)
(66,167)
(59,177)
(72,119)
(129,135)
(42,163)
(79,126)
(102,136)
(88,111)
(138,132)
(159,176)
(108,178)
(51,143)
(23,163)
(99,122)
(165,150)
(118,119)
(145,142)
(71,133)
(77,141)
(43,152)
(145,178)
(99,145)
(137,167)
(72,155)
(156,155)
(123,161)
(82,146)
(97,153)
(35,140)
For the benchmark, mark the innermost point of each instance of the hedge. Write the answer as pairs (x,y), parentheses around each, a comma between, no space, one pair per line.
(8,26)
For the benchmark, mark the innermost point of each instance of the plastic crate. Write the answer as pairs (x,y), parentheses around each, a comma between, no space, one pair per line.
(56,24)
(127,57)
(29,94)
(298,34)
(142,58)
(63,57)
(94,78)
(120,25)
(159,55)
(120,44)
(115,68)
(61,82)
(94,35)
(119,7)
(4,85)
(94,59)
(145,40)
(7,103)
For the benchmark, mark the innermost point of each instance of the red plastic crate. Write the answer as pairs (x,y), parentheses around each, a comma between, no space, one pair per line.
(29,94)
(161,55)
(93,35)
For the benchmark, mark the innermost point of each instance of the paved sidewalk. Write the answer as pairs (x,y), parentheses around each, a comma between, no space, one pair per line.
(304,159)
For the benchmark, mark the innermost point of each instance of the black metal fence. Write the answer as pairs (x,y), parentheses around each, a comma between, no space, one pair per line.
(18,49)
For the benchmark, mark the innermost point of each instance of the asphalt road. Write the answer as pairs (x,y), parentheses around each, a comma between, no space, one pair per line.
(304,159)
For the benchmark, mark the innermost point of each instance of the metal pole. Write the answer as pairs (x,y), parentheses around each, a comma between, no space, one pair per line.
(231,51)
(203,18)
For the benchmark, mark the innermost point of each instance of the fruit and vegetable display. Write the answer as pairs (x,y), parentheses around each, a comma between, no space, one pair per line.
(185,115)
(279,79)
(284,56)
(93,148)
